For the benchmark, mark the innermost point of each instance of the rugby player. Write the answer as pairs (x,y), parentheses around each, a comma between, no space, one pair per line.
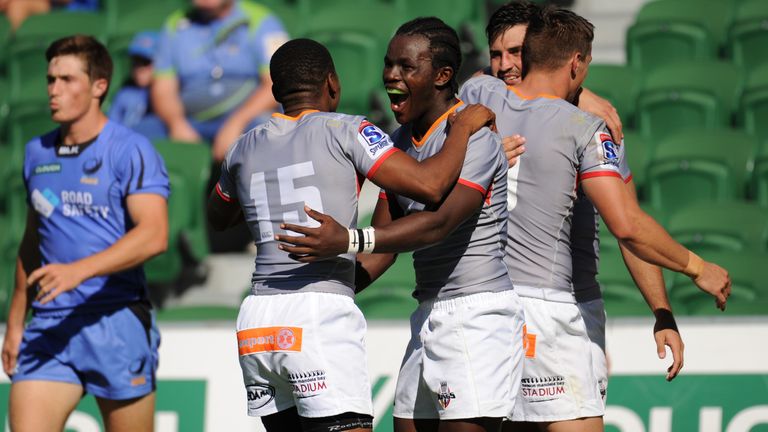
(566,145)
(97,210)
(300,335)
(461,368)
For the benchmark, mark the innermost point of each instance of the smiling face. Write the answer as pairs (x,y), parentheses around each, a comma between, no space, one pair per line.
(506,54)
(71,94)
(409,77)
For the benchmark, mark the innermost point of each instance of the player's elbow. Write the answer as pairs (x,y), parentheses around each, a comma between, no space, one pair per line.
(625,230)
(158,243)
(432,194)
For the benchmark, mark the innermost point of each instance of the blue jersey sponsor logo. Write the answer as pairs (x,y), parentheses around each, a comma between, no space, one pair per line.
(51,168)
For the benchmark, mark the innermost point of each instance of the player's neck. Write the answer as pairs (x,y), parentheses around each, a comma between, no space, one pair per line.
(84,128)
(421,125)
(541,83)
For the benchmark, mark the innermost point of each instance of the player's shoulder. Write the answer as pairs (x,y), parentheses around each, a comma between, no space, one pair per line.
(568,114)
(483,82)
(42,143)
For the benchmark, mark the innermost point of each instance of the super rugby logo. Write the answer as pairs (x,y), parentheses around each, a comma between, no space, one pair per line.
(372,139)
(609,151)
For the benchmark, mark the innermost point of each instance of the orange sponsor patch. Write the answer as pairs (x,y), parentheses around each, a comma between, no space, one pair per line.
(529,343)
(137,381)
(269,339)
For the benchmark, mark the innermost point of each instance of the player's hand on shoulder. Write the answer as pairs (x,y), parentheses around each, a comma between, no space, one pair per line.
(11,344)
(54,279)
(513,148)
(716,281)
(474,117)
(327,240)
(600,107)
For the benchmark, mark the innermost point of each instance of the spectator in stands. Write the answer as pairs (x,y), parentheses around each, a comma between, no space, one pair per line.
(131,106)
(211,71)
(19,10)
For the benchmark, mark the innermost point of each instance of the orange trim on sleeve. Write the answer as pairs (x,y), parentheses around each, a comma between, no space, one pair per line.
(269,339)
(628,179)
(432,128)
(599,174)
(383,195)
(475,186)
(540,95)
(301,114)
(221,194)
(382,158)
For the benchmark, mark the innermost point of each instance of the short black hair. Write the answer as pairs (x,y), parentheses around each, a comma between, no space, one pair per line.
(298,66)
(94,55)
(553,36)
(507,16)
(443,43)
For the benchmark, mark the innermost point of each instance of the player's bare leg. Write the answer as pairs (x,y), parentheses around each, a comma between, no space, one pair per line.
(128,415)
(587,424)
(42,406)
(417,425)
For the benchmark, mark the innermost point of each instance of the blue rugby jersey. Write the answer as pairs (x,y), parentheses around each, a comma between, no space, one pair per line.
(78,194)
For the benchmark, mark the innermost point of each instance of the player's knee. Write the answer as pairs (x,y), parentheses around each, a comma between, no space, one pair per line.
(343,422)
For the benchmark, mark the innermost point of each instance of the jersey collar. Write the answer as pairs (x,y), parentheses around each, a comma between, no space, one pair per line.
(434,126)
(302,114)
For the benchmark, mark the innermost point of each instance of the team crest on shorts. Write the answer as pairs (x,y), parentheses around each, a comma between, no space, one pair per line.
(542,389)
(445,395)
(307,384)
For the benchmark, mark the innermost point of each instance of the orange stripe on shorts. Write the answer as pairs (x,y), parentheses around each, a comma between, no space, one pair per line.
(268,339)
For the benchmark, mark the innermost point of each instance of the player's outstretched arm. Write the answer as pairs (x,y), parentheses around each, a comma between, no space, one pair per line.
(430,180)
(409,233)
(650,282)
(600,107)
(28,259)
(147,238)
(639,233)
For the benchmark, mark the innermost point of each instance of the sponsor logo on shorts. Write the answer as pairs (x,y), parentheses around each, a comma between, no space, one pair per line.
(51,168)
(307,384)
(269,339)
(259,395)
(445,395)
(542,389)
(139,380)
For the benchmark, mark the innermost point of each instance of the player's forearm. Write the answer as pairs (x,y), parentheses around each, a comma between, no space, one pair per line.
(141,243)
(650,242)
(166,101)
(20,300)
(371,267)
(649,281)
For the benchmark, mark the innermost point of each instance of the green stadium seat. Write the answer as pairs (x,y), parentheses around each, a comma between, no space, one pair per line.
(617,83)
(749,295)
(192,165)
(455,13)
(759,183)
(166,268)
(290,14)
(753,110)
(748,35)
(27,122)
(27,66)
(343,18)
(358,58)
(736,226)
(620,294)
(5,36)
(125,18)
(198,313)
(400,276)
(699,166)
(386,304)
(669,31)
(688,95)
(638,152)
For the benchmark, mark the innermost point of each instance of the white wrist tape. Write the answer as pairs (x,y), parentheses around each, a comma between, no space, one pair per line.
(361,240)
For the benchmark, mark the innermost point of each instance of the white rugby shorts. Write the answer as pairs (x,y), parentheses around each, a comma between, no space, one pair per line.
(593,313)
(305,350)
(464,358)
(559,381)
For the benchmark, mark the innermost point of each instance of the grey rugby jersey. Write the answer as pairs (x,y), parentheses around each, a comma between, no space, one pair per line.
(277,167)
(563,145)
(470,259)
